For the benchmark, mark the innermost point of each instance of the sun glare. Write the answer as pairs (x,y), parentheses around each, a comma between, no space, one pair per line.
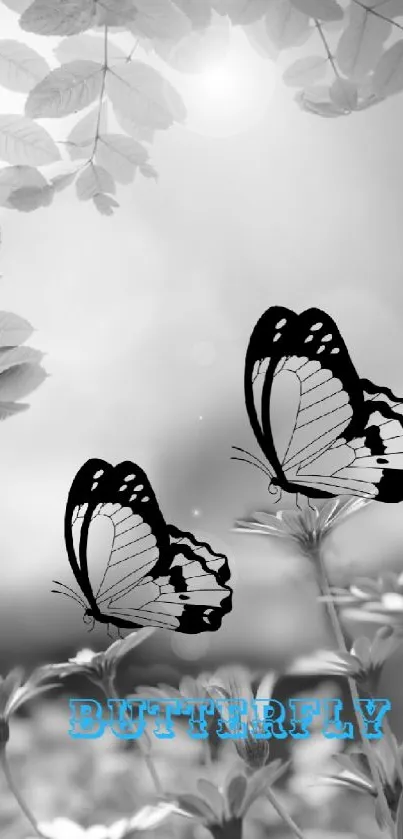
(230,96)
(229,92)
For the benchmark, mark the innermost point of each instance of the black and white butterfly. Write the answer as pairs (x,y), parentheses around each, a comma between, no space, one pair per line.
(338,434)
(153,574)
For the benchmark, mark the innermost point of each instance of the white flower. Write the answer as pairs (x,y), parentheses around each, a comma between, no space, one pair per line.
(83,657)
(66,829)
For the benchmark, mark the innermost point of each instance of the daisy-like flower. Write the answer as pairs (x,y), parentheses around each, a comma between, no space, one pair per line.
(308,527)
(357,776)
(100,668)
(147,818)
(373,601)
(14,692)
(364,662)
(235,684)
(223,809)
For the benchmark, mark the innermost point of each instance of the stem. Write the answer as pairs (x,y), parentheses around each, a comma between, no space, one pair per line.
(393,745)
(101,95)
(373,12)
(282,812)
(327,49)
(111,693)
(17,795)
(334,618)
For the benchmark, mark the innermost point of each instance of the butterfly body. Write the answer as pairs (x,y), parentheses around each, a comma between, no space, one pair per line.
(340,434)
(154,574)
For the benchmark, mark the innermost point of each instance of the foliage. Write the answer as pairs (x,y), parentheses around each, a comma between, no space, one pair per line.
(21,371)
(350,59)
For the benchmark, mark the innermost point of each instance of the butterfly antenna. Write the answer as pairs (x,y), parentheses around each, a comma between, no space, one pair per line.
(258,464)
(71,596)
(244,451)
(72,592)
(250,463)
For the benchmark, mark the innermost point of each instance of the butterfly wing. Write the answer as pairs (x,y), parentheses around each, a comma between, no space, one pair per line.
(80,506)
(143,583)
(330,439)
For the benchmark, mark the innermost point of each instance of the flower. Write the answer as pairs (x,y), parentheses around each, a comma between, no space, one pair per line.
(364,662)
(307,527)
(373,601)
(357,776)
(235,683)
(146,818)
(100,668)
(223,809)
(14,692)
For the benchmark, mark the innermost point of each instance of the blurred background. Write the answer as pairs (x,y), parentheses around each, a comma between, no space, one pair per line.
(145,318)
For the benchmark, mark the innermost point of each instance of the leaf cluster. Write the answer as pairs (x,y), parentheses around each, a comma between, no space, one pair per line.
(354,61)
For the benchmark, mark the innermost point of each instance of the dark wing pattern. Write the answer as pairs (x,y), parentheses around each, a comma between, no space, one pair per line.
(336,436)
(153,575)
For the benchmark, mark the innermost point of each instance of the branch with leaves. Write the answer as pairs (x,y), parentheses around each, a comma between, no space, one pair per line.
(359,63)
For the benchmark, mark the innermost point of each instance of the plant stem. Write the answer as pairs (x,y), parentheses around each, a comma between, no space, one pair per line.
(371,11)
(339,635)
(393,745)
(17,795)
(282,812)
(111,693)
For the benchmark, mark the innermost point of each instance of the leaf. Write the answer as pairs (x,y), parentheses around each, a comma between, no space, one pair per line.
(21,68)
(115,12)
(94,180)
(344,94)
(196,806)
(138,132)
(235,793)
(70,88)
(80,141)
(212,796)
(61,182)
(388,76)
(388,8)
(361,43)
(30,198)
(9,409)
(15,177)
(305,71)
(320,107)
(160,19)
(120,156)
(241,12)
(88,47)
(10,356)
(105,204)
(142,95)
(23,141)
(17,5)
(58,17)
(14,330)
(286,25)
(327,10)
(196,50)
(198,12)
(148,171)
(18,381)
(258,36)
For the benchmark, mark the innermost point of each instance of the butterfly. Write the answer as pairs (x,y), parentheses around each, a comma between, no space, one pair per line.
(339,434)
(154,574)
